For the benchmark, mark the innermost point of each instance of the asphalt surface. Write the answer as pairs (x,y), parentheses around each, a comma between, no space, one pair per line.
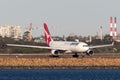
(48,55)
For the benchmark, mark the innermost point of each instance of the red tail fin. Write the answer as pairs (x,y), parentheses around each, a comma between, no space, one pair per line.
(48,38)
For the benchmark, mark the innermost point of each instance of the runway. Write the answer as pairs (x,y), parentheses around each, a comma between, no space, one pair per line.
(49,55)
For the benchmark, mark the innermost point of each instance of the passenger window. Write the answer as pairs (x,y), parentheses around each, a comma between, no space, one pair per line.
(74,43)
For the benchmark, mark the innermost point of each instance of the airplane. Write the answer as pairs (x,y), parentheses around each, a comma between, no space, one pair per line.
(58,47)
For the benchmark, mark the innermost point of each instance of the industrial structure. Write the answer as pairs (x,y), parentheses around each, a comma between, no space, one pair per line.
(11,31)
(101,33)
(113,30)
(28,34)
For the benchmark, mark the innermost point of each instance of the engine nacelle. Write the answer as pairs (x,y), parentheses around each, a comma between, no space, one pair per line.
(89,52)
(55,52)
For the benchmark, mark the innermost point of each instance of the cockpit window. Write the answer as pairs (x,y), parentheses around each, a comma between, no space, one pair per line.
(74,43)
(85,45)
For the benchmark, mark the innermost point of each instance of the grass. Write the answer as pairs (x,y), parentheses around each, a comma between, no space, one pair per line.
(51,62)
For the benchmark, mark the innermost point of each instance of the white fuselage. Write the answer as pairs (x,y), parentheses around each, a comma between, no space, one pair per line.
(70,46)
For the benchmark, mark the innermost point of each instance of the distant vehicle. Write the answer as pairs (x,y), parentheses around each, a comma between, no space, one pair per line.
(58,47)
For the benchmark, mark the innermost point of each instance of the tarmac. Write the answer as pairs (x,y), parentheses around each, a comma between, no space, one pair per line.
(49,55)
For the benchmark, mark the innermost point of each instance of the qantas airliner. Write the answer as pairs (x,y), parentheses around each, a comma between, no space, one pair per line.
(58,47)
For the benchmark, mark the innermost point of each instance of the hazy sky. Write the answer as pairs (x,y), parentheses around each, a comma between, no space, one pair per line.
(81,17)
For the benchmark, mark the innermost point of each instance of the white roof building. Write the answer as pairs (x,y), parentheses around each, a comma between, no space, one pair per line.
(11,31)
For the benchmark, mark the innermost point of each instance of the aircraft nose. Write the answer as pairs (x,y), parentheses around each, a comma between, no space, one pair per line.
(85,47)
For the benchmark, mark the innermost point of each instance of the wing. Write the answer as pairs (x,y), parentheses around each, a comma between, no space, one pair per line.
(30,46)
(99,46)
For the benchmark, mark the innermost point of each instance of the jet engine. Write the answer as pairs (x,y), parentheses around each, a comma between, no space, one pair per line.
(55,52)
(89,52)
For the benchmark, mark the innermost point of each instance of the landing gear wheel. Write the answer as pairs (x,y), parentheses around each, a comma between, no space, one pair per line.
(76,55)
(55,55)
(83,56)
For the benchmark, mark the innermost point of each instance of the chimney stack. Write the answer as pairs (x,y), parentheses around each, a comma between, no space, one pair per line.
(115,28)
(101,33)
(111,30)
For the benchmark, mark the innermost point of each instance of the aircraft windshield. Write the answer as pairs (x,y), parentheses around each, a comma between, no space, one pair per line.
(85,45)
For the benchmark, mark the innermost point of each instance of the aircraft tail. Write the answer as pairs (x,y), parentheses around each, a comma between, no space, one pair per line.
(47,36)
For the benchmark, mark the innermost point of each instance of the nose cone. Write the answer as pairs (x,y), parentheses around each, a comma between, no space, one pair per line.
(83,47)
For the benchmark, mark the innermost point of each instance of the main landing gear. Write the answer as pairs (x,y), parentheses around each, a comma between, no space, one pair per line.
(54,56)
(76,55)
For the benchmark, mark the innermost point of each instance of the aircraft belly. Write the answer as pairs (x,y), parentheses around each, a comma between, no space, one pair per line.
(73,49)
(76,49)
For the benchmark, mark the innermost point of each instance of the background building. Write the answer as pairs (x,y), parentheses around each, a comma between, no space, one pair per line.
(11,31)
